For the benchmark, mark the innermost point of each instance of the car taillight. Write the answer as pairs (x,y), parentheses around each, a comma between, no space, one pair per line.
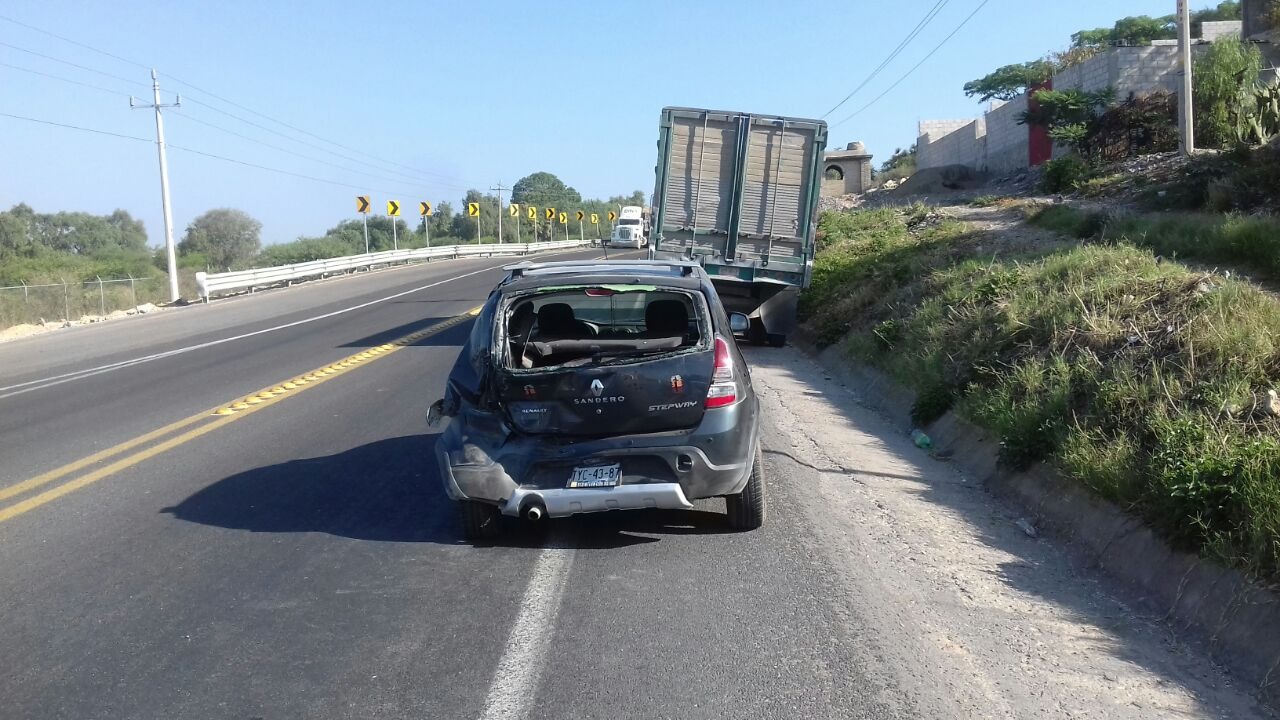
(723,390)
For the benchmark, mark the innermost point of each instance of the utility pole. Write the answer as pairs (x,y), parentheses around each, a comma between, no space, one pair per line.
(1186,123)
(164,179)
(500,188)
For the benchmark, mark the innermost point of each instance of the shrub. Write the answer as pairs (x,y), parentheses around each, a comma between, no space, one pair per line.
(1132,374)
(1064,173)
(1225,75)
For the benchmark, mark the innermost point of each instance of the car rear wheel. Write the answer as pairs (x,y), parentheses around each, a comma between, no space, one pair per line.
(480,521)
(747,508)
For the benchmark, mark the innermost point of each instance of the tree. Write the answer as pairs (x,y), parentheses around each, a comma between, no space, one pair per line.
(543,189)
(227,237)
(1067,114)
(901,164)
(1225,75)
(1009,81)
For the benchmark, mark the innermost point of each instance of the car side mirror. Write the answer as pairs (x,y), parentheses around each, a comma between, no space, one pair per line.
(739,323)
(435,412)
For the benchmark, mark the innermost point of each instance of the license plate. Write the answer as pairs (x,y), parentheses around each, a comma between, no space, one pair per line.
(595,476)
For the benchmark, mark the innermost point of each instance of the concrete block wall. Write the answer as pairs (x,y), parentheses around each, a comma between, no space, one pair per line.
(964,146)
(1211,31)
(1091,75)
(1138,71)
(935,129)
(1007,141)
(996,143)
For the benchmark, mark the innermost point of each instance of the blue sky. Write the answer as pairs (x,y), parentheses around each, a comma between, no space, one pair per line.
(428,99)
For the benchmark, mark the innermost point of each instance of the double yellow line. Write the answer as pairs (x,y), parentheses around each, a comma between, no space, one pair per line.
(119,458)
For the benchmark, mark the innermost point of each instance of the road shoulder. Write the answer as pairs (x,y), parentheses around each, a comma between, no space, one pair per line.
(974,612)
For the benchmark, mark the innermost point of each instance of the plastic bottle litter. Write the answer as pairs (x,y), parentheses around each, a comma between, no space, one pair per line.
(921,440)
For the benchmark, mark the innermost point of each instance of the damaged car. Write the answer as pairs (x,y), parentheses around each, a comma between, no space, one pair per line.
(593,386)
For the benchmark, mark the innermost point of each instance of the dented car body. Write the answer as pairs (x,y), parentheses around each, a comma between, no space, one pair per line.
(595,386)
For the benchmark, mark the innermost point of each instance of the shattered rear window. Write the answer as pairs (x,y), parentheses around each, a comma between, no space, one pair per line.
(600,324)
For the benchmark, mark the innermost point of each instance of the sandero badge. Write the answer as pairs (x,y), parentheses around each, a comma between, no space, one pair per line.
(594,386)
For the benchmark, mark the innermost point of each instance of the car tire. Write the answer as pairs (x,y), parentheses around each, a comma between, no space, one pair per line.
(480,521)
(747,508)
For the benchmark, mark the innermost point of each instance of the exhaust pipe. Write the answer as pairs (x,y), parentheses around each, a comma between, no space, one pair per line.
(534,512)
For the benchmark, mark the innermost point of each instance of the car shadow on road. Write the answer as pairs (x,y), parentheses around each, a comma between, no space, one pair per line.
(453,337)
(390,491)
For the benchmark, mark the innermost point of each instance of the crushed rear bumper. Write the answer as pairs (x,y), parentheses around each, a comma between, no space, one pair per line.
(481,460)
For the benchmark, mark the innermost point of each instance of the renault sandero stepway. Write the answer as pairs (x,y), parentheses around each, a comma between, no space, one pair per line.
(593,386)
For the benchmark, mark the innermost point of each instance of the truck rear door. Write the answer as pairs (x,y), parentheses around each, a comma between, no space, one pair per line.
(697,187)
(778,186)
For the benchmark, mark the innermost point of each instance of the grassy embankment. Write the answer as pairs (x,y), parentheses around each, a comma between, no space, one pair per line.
(82,297)
(1143,379)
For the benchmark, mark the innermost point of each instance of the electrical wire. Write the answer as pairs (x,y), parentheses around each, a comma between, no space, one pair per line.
(201,153)
(74,65)
(296,129)
(928,17)
(62,79)
(76,127)
(134,63)
(186,117)
(73,42)
(915,67)
(421,177)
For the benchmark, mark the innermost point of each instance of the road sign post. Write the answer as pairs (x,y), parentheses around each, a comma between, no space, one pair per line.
(393,211)
(473,209)
(532,213)
(362,207)
(551,224)
(582,232)
(424,209)
(514,210)
(595,220)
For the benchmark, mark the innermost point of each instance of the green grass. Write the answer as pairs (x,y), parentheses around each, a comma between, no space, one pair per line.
(1248,242)
(985,201)
(46,299)
(1138,377)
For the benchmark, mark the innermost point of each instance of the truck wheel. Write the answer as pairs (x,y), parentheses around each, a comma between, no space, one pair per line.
(480,521)
(747,508)
(777,340)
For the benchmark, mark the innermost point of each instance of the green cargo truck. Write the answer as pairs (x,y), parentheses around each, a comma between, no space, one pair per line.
(739,193)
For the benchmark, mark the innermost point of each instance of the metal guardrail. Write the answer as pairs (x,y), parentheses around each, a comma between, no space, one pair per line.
(209,284)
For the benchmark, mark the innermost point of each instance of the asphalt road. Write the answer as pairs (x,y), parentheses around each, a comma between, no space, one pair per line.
(296,557)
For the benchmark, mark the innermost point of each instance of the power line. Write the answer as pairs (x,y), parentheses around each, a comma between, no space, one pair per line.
(76,127)
(915,67)
(224,100)
(73,42)
(188,118)
(74,65)
(296,129)
(929,16)
(422,177)
(62,79)
(197,152)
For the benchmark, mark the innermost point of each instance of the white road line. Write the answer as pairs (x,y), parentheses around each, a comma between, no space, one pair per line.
(515,681)
(9,391)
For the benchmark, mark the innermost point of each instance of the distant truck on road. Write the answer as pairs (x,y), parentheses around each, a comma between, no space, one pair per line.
(738,192)
(633,227)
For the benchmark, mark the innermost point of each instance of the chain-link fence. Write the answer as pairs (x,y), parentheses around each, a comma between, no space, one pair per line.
(57,302)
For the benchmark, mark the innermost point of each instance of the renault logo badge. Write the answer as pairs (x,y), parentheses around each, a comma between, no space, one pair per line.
(597,387)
